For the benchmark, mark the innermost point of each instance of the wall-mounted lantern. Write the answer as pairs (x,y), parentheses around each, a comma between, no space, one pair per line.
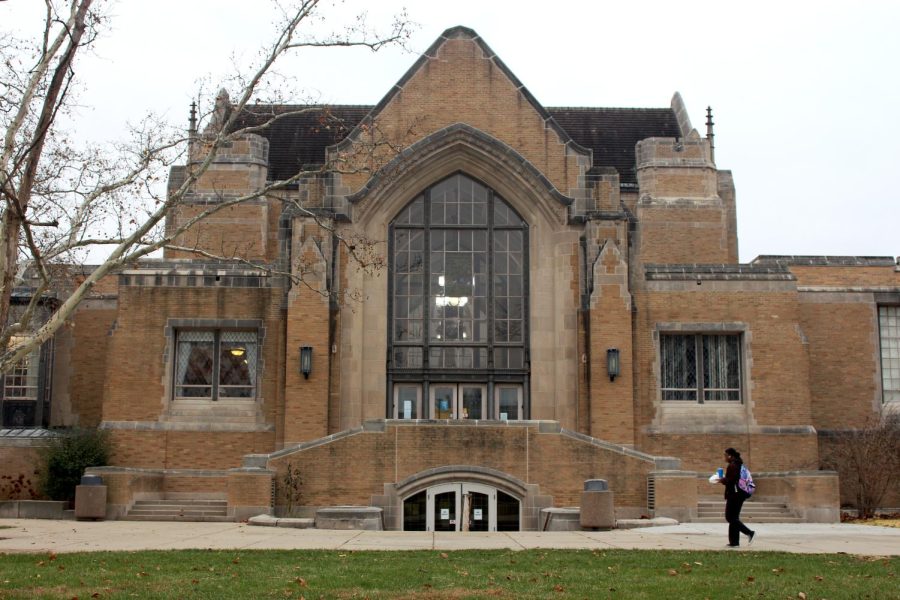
(612,363)
(306,361)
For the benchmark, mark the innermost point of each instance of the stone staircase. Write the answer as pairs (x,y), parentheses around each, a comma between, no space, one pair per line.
(760,510)
(178,510)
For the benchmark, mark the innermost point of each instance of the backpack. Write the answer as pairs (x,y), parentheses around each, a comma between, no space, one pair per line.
(745,483)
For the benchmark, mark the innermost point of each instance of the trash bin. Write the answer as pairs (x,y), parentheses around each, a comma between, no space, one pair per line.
(90,498)
(597,511)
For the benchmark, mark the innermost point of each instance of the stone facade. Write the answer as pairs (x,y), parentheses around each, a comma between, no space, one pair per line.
(630,243)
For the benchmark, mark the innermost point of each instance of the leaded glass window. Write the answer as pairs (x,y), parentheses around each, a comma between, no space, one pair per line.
(21,391)
(889,328)
(458,281)
(214,364)
(700,368)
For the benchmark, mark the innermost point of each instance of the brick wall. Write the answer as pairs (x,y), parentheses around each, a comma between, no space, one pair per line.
(137,385)
(16,460)
(186,449)
(559,463)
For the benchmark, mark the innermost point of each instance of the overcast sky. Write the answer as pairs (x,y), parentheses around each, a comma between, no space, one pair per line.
(806,96)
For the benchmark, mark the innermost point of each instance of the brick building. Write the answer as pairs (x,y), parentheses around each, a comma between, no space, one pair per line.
(560,299)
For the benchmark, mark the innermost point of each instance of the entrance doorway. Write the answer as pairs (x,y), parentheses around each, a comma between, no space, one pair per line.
(461,507)
(458,400)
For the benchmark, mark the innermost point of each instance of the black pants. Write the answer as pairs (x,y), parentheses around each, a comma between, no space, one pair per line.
(733,505)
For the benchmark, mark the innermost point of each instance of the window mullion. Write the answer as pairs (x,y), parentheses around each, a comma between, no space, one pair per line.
(700,367)
(217,338)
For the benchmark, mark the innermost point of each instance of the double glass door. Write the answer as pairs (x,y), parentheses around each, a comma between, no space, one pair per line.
(458,401)
(461,507)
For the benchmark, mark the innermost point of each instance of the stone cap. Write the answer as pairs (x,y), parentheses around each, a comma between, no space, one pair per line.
(718,272)
(826,261)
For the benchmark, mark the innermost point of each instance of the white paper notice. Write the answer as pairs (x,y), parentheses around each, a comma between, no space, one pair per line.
(445,514)
(503,416)
(407,409)
(476,514)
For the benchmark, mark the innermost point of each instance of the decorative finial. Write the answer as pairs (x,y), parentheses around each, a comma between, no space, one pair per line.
(710,135)
(192,123)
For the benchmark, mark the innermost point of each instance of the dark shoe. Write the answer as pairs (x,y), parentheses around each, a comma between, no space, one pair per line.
(732,545)
(750,537)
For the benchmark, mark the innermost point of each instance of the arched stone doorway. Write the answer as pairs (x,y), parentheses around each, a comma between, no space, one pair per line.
(462,498)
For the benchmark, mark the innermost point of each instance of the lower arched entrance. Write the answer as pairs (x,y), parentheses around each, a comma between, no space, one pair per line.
(461,506)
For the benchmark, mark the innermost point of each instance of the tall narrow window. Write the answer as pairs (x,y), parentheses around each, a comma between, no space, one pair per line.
(889,329)
(215,364)
(700,368)
(458,281)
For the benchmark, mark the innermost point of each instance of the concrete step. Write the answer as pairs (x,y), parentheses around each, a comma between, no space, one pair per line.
(753,511)
(175,511)
(750,519)
(181,503)
(191,519)
(187,509)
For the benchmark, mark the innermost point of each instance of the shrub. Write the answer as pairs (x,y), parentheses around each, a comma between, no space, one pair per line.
(867,461)
(68,455)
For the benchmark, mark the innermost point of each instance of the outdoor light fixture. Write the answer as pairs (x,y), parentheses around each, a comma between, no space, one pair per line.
(237,352)
(305,361)
(612,363)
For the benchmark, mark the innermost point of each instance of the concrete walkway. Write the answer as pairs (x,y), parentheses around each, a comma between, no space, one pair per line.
(35,535)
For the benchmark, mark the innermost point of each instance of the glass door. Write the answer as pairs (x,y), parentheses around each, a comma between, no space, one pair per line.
(508,402)
(471,401)
(443,401)
(458,401)
(442,508)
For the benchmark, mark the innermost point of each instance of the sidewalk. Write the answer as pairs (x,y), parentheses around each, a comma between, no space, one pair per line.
(35,535)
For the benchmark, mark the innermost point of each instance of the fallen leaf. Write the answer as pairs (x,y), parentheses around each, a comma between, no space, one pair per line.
(751,579)
(801,595)
(819,578)
(699,564)
(673,572)
(301,582)
(443,555)
(558,588)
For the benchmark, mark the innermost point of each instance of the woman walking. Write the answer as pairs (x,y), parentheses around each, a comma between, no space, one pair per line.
(734,499)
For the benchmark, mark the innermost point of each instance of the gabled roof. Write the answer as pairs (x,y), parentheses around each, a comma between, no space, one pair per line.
(300,137)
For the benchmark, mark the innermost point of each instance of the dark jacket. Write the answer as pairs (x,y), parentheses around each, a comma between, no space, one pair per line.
(732,476)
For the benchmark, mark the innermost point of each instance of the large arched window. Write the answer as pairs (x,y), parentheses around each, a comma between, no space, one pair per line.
(458,304)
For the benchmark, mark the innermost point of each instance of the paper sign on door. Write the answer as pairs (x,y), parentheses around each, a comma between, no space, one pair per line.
(445,514)
(476,514)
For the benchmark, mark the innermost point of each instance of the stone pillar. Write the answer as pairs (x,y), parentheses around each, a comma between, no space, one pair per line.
(612,401)
(250,492)
(306,398)
(675,494)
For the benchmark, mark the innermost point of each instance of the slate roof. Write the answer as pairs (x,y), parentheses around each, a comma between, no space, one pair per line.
(613,132)
(300,139)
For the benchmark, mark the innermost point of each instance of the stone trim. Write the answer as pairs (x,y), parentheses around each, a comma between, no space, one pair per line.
(826,261)
(717,272)
(188,426)
(405,160)
(661,462)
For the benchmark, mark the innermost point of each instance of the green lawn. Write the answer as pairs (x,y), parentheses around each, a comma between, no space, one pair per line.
(654,575)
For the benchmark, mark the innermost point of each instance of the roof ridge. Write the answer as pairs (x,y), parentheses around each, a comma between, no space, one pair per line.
(623,108)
